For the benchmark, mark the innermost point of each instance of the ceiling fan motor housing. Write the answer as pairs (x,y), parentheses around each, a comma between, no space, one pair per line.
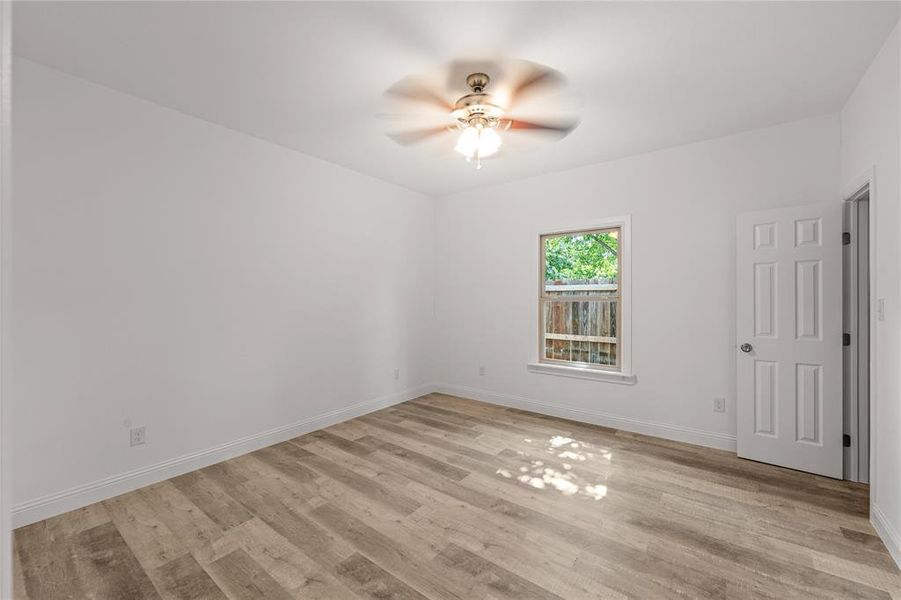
(477,109)
(477,81)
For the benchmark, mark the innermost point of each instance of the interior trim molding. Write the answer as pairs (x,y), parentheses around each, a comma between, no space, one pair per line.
(679,433)
(887,533)
(76,497)
(581,373)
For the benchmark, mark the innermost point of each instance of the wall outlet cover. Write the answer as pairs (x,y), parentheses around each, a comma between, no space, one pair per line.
(137,436)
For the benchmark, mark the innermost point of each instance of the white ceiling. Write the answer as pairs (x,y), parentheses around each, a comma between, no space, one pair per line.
(310,76)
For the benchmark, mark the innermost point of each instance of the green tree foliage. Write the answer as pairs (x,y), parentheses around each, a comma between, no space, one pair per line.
(588,256)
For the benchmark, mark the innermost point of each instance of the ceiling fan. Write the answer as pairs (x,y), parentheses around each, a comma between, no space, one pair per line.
(480,116)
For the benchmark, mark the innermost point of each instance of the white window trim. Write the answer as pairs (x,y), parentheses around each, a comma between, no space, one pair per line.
(624,374)
(582,373)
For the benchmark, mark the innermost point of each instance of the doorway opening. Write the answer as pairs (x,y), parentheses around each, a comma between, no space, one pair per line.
(856,322)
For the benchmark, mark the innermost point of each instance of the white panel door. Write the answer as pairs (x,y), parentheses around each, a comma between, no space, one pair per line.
(789,351)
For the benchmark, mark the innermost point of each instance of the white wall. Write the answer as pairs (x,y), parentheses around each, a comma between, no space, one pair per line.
(683,203)
(197,281)
(870,145)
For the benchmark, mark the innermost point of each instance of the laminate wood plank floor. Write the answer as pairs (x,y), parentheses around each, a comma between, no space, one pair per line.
(443,497)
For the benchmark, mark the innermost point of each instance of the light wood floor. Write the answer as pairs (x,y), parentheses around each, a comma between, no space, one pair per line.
(448,498)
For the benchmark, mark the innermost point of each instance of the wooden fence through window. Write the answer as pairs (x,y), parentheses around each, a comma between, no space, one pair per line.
(584,329)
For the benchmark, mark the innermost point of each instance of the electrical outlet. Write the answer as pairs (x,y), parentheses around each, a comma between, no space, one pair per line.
(719,405)
(138,436)
(397,373)
(482,371)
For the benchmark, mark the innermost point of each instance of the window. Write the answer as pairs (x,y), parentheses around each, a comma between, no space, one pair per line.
(583,303)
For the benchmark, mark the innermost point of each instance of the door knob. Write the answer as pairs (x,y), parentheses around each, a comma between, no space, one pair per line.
(746,347)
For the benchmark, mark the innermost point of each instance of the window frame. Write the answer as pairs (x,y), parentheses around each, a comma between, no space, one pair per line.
(622,372)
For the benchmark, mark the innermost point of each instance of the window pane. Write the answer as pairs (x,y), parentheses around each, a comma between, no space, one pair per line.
(582,265)
(581,331)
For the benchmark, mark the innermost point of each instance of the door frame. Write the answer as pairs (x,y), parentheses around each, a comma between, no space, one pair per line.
(859,429)
(6,549)
(866,183)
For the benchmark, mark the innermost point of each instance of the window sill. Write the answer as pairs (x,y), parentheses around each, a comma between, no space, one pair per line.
(582,373)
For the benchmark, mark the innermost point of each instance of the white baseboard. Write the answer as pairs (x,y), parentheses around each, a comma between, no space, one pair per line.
(887,533)
(95,491)
(710,439)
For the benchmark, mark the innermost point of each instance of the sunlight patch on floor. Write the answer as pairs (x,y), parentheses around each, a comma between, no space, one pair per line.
(538,475)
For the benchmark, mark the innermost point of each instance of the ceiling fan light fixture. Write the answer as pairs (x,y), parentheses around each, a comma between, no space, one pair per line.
(478,142)
(489,142)
(468,142)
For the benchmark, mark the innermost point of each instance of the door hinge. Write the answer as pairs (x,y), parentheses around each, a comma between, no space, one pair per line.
(846,339)
(846,440)
(846,238)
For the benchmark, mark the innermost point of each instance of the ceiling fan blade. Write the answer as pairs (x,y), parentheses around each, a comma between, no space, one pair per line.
(407,138)
(538,79)
(411,90)
(561,129)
